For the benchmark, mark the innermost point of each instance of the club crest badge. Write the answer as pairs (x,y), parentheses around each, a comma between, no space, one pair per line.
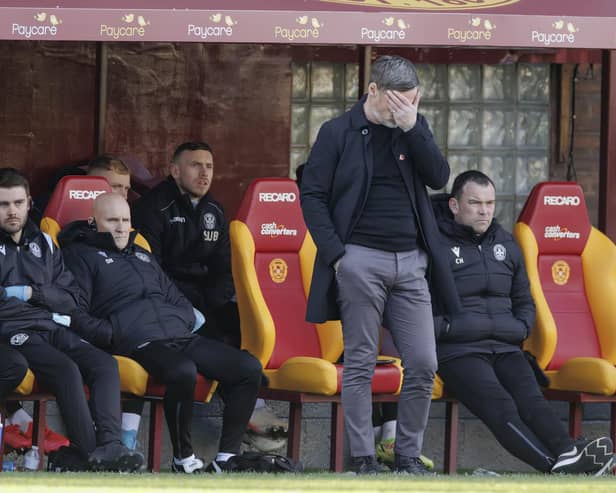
(19,339)
(560,272)
(209,220)
(500,252)
(35,249)
(143,257)
(278,270)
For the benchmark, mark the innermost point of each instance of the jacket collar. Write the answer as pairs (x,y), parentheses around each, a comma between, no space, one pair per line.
(183,198)
(81,232)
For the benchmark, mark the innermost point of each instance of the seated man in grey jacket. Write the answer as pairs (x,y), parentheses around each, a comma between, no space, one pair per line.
(480,360)
(130,306)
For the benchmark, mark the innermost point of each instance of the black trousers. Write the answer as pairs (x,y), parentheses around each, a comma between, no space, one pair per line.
(13,368)
(176,363)
(62,363)
(223,323)
(502,391)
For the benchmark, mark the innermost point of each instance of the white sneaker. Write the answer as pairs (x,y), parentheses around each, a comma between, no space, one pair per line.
(189,465)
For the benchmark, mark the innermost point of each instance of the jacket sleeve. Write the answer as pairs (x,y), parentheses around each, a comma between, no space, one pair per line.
(522,304)
(15,309)
(149,222)
(429,162)
(315,193)
(95,330)
(61,294)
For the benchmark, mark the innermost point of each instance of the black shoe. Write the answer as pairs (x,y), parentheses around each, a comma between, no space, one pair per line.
(114,456)
(410,465)
(586,457)
(67,459)
(365,464)
(221,466)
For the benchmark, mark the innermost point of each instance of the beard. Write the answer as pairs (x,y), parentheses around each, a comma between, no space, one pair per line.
(14,225)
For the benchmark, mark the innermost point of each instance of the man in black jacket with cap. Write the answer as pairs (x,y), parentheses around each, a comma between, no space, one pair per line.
(480,360)
(128,305)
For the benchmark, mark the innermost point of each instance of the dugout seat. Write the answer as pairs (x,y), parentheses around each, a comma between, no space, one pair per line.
(572,271)
(72,200)
(273,256)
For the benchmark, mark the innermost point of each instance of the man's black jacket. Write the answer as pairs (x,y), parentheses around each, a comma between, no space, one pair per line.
(125,297)
(190,243)
(335,186)
(34,262)
(497,308)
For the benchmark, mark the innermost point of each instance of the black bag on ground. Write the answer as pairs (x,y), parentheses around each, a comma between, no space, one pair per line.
(262,462)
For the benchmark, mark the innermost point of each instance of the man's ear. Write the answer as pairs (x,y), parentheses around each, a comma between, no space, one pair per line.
(30,203)
(372,88)
(174,170)
(454,207)
(92,223)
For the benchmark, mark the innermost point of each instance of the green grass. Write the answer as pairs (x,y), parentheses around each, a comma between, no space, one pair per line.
(310,482)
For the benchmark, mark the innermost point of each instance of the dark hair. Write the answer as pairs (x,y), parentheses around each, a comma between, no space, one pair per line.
(471,175)
(109,163)
(190,146)
(10,177)
(395,73)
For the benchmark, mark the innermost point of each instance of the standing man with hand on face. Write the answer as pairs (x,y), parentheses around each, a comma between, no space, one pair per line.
(366,205)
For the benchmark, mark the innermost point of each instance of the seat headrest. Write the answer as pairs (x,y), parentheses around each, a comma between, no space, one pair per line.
(73,197)
(556,213)
(271,210)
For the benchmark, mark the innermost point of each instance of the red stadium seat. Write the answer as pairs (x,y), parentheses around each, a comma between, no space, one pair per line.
(572,271)
(71,200)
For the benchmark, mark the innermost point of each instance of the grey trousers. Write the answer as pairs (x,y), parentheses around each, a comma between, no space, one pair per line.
(377,287)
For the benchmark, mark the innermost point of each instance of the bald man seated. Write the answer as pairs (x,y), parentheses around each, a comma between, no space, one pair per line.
(130,307)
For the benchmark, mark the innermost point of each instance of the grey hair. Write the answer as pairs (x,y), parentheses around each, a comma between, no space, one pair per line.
(394,73)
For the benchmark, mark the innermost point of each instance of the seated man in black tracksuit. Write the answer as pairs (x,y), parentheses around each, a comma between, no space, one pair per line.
(480,360)
(131,307)
(37,296)
(189,235)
